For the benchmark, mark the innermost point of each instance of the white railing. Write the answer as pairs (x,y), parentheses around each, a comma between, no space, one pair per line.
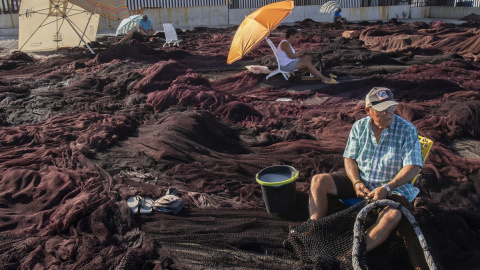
(143,4)
(12,6)
(9,6)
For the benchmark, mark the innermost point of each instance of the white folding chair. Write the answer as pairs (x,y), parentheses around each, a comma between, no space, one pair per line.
(171,38)
(286,74)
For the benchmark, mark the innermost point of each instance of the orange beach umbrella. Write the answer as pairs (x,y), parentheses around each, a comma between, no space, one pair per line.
(256,27)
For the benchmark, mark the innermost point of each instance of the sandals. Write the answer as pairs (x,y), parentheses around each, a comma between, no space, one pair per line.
(169,203)
(332,81)
(146,206)
(133,202)
(332,78)
(140,204)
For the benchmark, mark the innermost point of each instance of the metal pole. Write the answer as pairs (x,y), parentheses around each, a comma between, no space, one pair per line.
(72,25)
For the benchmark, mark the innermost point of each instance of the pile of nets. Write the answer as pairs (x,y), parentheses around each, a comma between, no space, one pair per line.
(80,134)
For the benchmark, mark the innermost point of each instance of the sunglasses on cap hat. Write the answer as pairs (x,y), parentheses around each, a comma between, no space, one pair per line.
(389,110)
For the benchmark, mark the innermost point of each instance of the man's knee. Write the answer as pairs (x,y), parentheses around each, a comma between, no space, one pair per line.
(392,216)
(321,181)
(317,180)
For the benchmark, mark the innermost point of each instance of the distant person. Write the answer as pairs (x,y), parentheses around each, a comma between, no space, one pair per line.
(145,26)
(337,17)
(290,60)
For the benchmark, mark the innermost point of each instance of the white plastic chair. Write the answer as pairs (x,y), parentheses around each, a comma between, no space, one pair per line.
(170,35)
(286,74)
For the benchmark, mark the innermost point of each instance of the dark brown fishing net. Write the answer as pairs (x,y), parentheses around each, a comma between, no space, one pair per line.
(81,133)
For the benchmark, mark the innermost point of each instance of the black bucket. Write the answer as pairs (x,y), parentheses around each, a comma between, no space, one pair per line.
(278,188)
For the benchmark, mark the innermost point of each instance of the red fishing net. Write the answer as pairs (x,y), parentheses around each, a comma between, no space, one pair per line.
(80,134)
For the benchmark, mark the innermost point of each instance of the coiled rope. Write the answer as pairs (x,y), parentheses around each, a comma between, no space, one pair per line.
(357,231)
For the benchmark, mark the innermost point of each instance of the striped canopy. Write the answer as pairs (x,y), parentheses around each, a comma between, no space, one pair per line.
(330,7)
(113,9)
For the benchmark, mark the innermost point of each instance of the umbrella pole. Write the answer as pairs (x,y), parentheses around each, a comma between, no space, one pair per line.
(80,36)
(65,16)
(86,26)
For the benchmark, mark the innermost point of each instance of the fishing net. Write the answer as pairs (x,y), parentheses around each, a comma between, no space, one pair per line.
(80,134)
(330,243)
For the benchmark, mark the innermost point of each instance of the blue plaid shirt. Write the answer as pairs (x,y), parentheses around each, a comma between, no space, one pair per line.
(380,163)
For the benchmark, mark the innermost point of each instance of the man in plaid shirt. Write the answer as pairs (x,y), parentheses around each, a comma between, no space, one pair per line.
(382,156)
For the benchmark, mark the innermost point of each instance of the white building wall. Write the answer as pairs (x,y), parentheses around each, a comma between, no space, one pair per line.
(421,12)
(221,16)
(452,12)
(8,20)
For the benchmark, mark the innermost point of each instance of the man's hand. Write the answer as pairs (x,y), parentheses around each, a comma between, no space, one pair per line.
(361,190)
(378,194)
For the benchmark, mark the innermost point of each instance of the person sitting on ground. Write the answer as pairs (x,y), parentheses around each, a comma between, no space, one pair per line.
(381,157)
(337,17)
(290,60)
(145,26)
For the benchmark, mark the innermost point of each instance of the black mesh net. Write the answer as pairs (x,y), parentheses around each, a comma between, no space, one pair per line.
(328,243)
(220,239)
